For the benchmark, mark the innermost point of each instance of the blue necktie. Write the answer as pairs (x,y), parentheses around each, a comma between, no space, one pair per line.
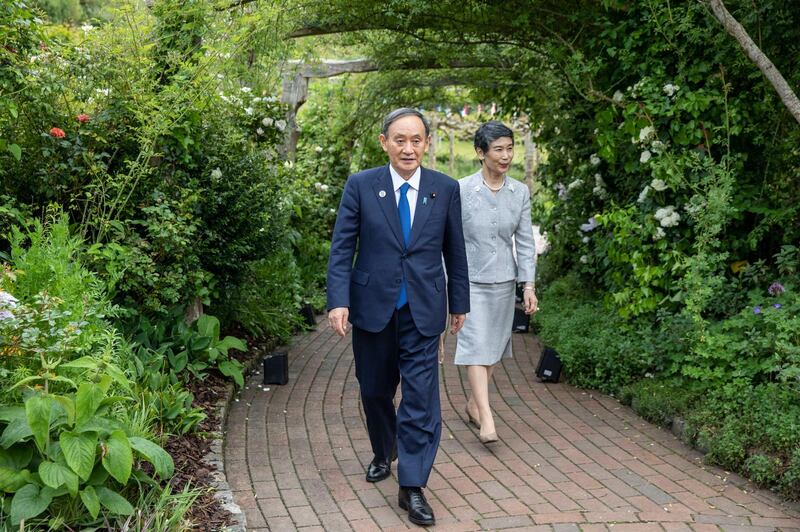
(405,224)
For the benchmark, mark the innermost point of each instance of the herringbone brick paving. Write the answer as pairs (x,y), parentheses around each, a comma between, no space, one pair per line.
(568,459)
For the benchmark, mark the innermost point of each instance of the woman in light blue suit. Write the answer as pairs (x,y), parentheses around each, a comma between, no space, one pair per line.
(496,214)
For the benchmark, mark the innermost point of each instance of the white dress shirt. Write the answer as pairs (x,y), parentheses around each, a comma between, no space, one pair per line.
(413,190)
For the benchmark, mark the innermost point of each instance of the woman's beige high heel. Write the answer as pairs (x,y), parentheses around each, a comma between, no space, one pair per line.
(475,421)
(488,438)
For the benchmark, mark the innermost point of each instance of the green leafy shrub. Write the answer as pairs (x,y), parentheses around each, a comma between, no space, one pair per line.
(269,298)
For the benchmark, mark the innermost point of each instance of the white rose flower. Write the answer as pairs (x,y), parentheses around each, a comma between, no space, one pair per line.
(557,130)
(318,185)
(246,89)
(617,96)
(575,184)
(645,156)
(643,194)
(333,211)
(266,121)
(645,133)
(248,110)
(318,149)
(324,188)
(281,124)
(658,185)
(670,89)
(584,259)
(598,180)
(585,240)
(594,159)
(216,173)
(600,192)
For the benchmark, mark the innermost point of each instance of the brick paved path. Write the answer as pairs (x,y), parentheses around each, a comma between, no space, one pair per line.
(568,460)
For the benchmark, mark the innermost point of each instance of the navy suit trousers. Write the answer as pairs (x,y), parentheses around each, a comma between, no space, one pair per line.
(401,354)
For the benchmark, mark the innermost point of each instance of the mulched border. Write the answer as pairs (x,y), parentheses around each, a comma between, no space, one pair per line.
(198,456)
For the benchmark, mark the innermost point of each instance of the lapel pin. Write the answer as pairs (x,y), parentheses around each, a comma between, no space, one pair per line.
(382,193)
(424,201)
(433,195)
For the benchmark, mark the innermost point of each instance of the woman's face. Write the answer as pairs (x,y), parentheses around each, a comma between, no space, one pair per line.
(497,159)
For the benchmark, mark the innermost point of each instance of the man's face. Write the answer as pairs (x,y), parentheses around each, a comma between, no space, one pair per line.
(405,143)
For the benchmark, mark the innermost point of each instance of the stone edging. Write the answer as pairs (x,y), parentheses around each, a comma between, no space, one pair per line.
(216,456)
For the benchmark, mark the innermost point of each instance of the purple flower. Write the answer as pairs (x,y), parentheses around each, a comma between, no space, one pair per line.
(757,310)
(776,289)
(777,305)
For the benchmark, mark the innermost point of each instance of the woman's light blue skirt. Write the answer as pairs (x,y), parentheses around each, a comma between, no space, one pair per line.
(486,335)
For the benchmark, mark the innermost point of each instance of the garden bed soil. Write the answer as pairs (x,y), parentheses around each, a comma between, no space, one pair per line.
(190,450)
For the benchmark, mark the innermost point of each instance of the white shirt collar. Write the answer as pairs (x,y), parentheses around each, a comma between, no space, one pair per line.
(397,180)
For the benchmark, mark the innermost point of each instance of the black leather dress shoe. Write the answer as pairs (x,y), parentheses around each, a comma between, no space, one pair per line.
(419,511)
(378,470)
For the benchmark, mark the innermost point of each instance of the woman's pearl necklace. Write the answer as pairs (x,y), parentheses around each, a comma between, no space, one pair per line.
(493,189)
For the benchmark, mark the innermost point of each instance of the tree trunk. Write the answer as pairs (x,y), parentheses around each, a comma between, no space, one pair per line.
(732,26)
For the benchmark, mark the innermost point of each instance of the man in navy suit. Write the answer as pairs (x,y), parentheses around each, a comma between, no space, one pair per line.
(398,221)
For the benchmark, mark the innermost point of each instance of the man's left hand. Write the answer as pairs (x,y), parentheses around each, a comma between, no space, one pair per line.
(456,322)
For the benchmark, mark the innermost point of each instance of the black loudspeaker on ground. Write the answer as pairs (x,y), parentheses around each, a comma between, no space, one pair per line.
(549,368)
(276,368)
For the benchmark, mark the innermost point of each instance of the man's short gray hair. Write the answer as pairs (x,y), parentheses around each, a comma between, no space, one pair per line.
(397,114)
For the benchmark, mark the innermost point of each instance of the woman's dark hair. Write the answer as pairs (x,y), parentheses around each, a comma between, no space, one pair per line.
(490,132)
(400,113)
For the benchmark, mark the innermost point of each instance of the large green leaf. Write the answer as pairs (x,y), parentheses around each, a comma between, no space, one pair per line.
(230,368)
(68,405)
(86,362)
(113,502)
(118,457)
(87,401)
(208,326)
(57,475)
(16,431)
(15,150)
(12,479)
(90,500)
(10,413)
(38,409)
(29,502)
(231,342)
(153,453)
(17,456)
(79,451)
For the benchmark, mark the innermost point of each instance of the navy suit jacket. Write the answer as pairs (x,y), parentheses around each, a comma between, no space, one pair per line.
(368,229)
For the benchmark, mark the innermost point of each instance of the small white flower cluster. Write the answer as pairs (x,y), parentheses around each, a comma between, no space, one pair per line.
(7,301)
(660,233)
(594,159)
(590,225)
(668,216)
(670,89)
(599,189)
(575,184)
(280,124)
(646,133)
(319,149)
(563,195)
(321,186)
(216,173)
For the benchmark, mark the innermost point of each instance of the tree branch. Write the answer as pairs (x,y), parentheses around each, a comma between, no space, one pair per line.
(779,83)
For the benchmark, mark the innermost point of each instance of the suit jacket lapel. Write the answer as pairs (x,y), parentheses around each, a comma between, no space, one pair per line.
(425,203)
(388,203)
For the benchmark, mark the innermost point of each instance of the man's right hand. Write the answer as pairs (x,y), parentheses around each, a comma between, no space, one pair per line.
(337,319)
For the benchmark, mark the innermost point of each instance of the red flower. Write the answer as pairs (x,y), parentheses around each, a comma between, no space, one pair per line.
(82,118)
(57,133)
